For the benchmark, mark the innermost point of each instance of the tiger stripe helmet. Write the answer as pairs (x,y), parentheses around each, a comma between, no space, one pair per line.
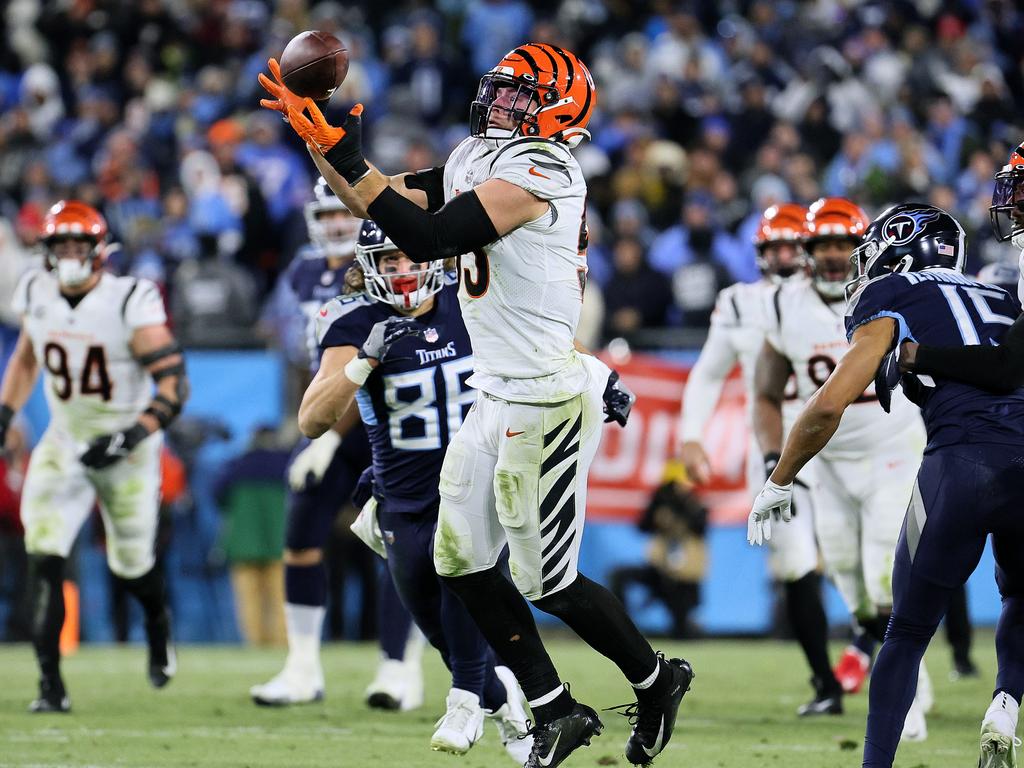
(554,96)
(1007,209)
(780,224)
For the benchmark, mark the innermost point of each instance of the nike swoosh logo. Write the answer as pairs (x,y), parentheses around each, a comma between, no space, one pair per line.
(546,761)
(509,433)
(535,172)
(657,741)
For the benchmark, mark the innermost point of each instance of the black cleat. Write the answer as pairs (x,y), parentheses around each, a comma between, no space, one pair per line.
(653,721)
(381,700)
(52,697)
(162,662)
(828,699)
(554,742)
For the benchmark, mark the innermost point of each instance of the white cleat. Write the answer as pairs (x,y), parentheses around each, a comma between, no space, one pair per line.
(998,750)
(914,727)
(925,693)
(462,725)
(510,719)
(290,686)
(413,696)
(397,685)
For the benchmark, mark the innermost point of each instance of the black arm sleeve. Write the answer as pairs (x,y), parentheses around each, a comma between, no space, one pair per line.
(430,181)
(461,226)
(997,369)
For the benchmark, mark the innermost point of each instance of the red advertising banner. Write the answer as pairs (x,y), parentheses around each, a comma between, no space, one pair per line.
(631,461)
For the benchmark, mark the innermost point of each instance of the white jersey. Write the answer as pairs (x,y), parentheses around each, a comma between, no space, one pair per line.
(743,314)
(93,383)
(521,295)
(812,335)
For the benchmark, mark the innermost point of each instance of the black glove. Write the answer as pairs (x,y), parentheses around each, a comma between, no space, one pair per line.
(346,157)
(364,488)
(771,460)
(618,400)
(887,377)
(107,450)
(385,333)
(6,417)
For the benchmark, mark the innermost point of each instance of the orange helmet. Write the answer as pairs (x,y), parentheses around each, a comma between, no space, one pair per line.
(833,218)
(73,219)
(553,96)
(783,223)
(1007,209)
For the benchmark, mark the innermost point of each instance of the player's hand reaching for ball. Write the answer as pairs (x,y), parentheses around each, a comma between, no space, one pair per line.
(283,98)
(341,147)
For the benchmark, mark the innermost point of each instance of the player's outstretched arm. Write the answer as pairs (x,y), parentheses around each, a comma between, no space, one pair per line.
(466,223)
(18,382)
(820,417)
(999,369)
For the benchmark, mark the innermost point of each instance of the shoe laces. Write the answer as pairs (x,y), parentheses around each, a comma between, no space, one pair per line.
(511,729)
(643,717)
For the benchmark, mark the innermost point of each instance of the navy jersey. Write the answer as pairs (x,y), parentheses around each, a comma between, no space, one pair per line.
(414,402)
(942,307)
(314,283)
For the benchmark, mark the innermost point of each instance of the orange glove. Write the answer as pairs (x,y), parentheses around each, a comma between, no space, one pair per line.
(317,131)
(283,98)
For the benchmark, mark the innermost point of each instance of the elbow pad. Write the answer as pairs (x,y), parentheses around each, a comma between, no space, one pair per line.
(461,226)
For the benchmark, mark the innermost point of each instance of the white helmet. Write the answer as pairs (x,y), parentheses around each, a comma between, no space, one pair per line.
(402,290)
(334,235)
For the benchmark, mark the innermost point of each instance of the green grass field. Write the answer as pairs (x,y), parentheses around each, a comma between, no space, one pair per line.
(739,713)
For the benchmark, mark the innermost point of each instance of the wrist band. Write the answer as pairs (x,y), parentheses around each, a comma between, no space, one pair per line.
(358,370)
(6,414)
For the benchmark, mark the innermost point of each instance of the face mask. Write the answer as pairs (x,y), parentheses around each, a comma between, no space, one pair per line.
(72,272)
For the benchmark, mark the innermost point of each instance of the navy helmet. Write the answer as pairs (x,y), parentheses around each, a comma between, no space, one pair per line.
(402,290)
(331,225)
(909,237)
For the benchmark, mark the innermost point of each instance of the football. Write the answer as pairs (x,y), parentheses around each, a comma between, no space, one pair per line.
(314,64)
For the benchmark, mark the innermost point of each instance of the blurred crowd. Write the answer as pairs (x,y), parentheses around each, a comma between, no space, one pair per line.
(708,112)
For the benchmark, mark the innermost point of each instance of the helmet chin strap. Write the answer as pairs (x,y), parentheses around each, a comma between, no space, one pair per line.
(1018,240)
